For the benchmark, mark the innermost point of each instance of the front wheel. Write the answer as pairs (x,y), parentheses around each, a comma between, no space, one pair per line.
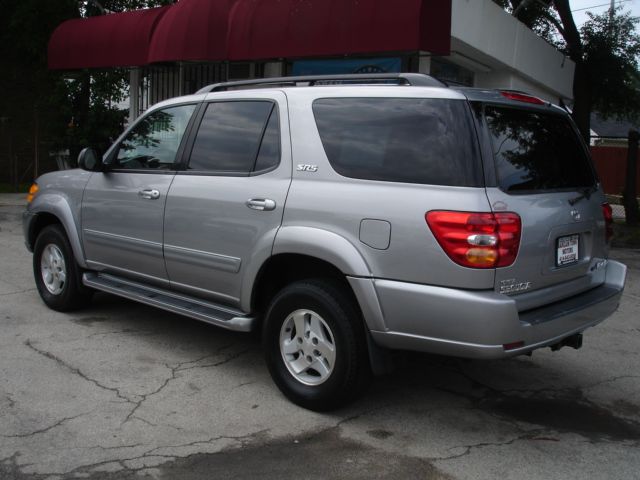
(315,345)
(57,275)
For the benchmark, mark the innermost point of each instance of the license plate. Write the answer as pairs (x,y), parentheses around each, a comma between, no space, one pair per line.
(567,250)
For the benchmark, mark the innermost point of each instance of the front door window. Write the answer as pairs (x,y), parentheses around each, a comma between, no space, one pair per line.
(154,141)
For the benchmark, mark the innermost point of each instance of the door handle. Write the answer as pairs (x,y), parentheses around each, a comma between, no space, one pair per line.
(262,204)
(149,194)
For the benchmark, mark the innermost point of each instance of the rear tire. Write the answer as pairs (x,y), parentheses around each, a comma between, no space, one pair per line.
(315,345)
(58,277)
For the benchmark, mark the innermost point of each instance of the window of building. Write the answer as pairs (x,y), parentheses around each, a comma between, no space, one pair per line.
(451,73)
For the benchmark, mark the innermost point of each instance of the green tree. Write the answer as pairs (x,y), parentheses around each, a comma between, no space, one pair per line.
(33,98)
(94,95)
(605,50)
(42,110)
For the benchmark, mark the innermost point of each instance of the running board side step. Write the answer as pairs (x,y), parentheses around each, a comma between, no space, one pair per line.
(198,309)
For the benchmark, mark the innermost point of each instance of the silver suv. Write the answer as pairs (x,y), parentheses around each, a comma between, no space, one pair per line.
(344,217)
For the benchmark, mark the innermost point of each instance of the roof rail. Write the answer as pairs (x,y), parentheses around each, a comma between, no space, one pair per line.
(412,79)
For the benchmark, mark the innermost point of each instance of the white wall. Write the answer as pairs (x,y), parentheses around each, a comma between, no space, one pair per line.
(505,53)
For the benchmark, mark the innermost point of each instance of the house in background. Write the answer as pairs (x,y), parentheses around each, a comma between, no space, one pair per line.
(611,132)
(178,49)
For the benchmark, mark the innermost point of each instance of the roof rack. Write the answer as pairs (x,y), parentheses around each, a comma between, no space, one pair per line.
(411,79)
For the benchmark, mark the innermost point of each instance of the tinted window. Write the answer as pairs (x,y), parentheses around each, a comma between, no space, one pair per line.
(229,136)
(154,141)
(536,151)
(410,140)
(269,155)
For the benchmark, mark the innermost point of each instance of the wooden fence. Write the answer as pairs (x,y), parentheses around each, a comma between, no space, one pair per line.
(611,164)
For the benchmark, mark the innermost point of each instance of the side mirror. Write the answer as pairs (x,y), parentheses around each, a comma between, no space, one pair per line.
(89,160)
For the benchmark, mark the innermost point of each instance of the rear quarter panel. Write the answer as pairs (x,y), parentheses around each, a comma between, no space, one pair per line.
(325,200)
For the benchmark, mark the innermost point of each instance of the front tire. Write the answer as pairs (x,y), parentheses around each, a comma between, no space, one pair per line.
(57,275)
(315,346)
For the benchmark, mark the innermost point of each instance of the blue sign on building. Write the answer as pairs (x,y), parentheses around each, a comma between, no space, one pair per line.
(360,65)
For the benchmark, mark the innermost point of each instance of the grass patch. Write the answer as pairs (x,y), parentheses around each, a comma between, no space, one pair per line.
(8,188)
(625,236)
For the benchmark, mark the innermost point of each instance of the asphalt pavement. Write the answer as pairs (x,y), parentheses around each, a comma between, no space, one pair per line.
(124,391)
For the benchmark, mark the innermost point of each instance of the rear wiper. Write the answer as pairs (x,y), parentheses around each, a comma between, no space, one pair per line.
(584,193)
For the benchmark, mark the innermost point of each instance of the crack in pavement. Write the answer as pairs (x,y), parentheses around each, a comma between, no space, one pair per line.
(243,385)
(549,390)
(216,364)
(126,330)
(77,371)
(149,454)
(555,391)
(469,448)
(145,396)
(45,429)
(237,438)
(115,447)
(174,374)
(17,292)
(217,353)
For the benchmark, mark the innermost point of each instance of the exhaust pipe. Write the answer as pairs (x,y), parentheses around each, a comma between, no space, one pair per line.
(573,341)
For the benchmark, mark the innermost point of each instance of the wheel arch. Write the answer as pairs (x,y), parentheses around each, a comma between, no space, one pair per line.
(54,209)
(306,252)
(284,268)
(302,252)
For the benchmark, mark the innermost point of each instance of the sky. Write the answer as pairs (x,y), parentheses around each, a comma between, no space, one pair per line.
(580,7)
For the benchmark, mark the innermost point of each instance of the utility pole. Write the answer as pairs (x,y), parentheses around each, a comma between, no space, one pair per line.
(630,199)
(36,142)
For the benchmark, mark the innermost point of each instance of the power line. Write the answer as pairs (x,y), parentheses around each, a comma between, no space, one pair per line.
(597,6)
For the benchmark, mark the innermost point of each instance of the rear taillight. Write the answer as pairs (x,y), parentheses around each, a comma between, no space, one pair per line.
(607,212)
(521,97)
(477,240)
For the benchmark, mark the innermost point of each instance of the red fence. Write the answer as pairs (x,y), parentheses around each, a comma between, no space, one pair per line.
(611,164)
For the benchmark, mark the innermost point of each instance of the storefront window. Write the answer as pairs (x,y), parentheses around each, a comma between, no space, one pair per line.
(451,73)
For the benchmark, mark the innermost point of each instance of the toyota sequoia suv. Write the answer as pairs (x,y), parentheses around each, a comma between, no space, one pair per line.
(343,217)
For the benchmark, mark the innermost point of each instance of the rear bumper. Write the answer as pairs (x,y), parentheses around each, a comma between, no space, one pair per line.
(478,324)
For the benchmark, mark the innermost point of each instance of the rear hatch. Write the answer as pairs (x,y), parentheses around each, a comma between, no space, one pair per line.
(542,171)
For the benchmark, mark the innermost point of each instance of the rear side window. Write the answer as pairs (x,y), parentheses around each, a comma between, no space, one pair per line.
(230,136)
(409,140)
(536,151)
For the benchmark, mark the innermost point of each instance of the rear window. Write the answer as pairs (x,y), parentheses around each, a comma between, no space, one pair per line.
(409,140)
(537,151)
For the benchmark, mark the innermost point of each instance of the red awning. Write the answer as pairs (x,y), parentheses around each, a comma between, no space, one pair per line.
(114,40)
(217,30)
(193,30)
(294,28)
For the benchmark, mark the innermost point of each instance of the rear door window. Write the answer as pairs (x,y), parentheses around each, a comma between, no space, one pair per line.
(536,151)
(230,136)
(409,140)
